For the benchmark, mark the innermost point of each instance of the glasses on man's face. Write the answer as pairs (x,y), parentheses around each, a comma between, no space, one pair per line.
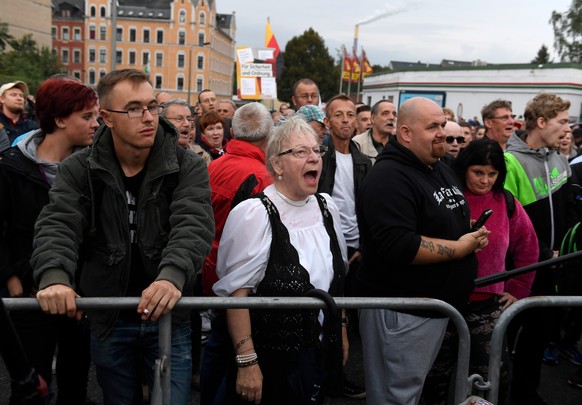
(302,151)
(138,112)
(451,139)
(504,117)
(306,96)
(181,118)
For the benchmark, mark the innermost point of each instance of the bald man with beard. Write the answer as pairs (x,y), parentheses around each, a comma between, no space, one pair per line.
(416,242)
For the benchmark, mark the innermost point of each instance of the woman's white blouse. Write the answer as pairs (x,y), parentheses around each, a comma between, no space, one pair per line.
(243,252)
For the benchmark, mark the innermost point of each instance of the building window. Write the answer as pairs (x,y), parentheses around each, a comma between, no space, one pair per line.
(145,58)
(182,16)
(77,34)
(159,59)
(180,83)
(132,57)
(146,36)
(181,61)
(181,38)
(119,57)
(76,56)
(202,19)
(65,57)
(200,62)
(102,73)
(160,37)
(91,76)
(54,32)
(103,12)
(158,82)
(102,56)
(93,11)
(201,39)
(92,55)
(132,34)
(103,33)
(199,84)
(92,32)
(119,34)
(65,34)
(77,74)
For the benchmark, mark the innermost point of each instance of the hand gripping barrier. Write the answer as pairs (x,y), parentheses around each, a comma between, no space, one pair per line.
(161,393)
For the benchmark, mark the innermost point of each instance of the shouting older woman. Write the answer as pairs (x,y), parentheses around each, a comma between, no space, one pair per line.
(286,242)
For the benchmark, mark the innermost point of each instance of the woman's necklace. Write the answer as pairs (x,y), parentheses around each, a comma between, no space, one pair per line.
(300,203)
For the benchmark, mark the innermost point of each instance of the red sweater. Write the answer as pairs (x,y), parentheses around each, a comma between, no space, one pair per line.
(231,178)
(515,235)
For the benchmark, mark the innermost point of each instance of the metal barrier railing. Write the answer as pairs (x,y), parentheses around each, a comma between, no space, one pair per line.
(161,393)
(492,386)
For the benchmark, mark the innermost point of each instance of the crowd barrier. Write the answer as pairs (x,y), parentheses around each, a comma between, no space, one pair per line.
(491,387)
(161,391)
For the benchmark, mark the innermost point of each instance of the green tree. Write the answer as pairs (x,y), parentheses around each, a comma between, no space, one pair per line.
(307,56)
(28,63)
(568,32)
(5,37)
(543,56)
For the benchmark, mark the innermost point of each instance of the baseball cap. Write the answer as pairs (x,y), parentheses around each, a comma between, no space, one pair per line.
(312,113)
(21,85)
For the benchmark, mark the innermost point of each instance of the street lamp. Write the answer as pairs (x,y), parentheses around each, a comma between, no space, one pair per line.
(190,66)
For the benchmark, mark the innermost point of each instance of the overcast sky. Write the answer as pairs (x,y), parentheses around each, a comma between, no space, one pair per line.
(495,31)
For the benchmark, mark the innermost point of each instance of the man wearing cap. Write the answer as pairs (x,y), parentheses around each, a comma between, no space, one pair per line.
(383,118)
(13,100)
(315,117)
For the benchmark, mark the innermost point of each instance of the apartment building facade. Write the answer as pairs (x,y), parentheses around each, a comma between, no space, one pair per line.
(184,45)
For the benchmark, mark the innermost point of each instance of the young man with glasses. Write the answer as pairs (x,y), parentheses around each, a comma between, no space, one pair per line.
(498,119)
(112,203)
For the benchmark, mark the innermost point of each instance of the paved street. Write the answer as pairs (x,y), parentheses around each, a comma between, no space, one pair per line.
(555,388)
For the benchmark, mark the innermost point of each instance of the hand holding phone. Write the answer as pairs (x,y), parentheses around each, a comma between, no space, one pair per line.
(482,219)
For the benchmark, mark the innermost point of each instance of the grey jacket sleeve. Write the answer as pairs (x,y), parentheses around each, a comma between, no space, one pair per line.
(60,227)
(191,222)
(4,140)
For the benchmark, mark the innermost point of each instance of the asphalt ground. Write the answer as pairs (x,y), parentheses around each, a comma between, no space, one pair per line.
(554,387)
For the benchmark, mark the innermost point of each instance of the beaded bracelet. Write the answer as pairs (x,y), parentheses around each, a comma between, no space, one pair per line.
(245,357)
(248,363)
(242,342)
(345,322)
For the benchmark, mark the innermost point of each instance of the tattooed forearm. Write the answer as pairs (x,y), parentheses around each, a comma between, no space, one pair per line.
(427,244)
(445,251)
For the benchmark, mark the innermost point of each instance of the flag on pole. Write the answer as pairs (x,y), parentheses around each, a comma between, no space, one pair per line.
(355,68)
(366,67)
(347,68)
(270,40)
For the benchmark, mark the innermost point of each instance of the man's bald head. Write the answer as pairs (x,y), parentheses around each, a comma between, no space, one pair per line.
(421,125)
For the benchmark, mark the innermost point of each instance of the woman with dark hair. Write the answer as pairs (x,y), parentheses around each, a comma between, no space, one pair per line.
(212,139)
(67,112)
(481,167)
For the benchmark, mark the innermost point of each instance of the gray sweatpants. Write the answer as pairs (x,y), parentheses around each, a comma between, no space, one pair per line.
(399,350)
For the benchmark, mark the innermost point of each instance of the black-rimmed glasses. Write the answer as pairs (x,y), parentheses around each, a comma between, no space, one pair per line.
(302,151)
(138,112)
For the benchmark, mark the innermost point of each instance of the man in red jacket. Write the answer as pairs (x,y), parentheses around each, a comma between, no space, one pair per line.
(236,176)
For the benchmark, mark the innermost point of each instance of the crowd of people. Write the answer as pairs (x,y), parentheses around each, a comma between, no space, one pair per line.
(121,192)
